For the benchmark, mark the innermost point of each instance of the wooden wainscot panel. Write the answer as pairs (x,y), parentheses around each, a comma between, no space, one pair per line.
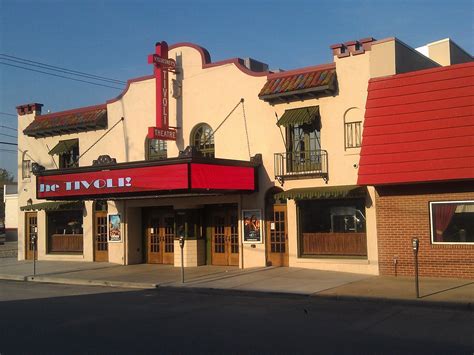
(335,244)
(66,243)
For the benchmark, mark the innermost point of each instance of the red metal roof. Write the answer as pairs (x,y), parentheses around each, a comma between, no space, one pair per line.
(320,77)
(419,126)
(78,120)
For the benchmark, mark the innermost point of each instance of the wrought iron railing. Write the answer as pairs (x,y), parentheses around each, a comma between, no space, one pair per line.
(296,164)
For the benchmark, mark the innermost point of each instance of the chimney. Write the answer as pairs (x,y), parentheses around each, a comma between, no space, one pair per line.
(28,109)
(340,50)
(352,47)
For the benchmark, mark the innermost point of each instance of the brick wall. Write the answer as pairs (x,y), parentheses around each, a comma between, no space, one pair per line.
(403,213)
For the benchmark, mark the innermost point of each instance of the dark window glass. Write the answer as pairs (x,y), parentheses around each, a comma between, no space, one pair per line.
(70,158)
(156,149)
(65,231)
(304,151)
(332,216)
(452,222)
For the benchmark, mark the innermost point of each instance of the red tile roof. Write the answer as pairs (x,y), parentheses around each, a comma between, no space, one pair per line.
(419,127)
(319,78)
(79,120)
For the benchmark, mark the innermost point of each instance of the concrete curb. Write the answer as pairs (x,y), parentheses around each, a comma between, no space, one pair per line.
(13,277)
(349,298)
(249,293)
(82,282)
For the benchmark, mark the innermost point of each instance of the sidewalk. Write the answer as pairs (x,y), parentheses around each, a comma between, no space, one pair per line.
(269,280)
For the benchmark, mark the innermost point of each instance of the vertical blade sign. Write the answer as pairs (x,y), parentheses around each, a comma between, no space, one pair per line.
(162,65)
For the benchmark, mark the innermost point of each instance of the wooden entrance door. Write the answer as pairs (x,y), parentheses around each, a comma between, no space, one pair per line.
(225,237)
(277,237)
(160,239)
(31,229)
(101,247)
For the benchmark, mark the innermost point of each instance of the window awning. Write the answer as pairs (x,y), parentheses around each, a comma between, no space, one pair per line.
(54,206)
(63,146)
(323,193)
(299,116)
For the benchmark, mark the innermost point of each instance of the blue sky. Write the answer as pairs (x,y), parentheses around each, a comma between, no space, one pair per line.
(113,38)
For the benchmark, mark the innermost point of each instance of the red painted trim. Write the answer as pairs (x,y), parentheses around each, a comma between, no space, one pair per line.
(302,70)
(73,111)
(206,59)
(435,175)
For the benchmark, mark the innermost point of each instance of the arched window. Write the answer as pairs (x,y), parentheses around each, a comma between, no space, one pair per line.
(202,138)
(156,149)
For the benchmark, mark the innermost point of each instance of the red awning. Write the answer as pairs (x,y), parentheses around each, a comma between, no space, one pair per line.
(419,127)
(161,177)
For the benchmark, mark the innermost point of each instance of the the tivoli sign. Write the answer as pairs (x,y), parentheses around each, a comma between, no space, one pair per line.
(162,65)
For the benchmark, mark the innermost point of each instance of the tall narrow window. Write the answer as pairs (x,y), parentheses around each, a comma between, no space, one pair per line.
(304,151)
(156,149)
(202,137)
(25,167)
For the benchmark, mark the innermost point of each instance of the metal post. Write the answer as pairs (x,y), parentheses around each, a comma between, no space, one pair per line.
(181,245)
(415,244)
(34,254)
(182,266)
(416,277)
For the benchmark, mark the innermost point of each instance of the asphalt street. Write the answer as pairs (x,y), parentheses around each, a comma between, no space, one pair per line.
(64,319)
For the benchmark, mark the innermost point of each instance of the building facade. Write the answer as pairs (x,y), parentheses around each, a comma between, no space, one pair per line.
(422,167)
(251,167)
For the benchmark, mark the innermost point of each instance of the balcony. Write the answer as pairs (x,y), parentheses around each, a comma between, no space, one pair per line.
(302,164)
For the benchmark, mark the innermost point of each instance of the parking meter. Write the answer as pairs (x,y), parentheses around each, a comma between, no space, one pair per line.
(415,243)
(181,242)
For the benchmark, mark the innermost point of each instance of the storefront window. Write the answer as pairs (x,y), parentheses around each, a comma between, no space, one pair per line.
(452,222)
(65,231)
(332,227)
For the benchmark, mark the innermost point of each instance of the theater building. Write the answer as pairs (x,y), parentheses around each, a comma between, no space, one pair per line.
(251,167)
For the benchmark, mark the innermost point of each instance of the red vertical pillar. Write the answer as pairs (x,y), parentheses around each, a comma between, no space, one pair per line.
(161,82)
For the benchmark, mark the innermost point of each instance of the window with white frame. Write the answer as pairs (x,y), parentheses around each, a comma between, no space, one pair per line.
(452,222)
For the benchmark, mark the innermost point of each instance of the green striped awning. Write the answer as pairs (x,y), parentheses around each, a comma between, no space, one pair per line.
(299,116)
(54,206)
(64,146)
(323,193)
